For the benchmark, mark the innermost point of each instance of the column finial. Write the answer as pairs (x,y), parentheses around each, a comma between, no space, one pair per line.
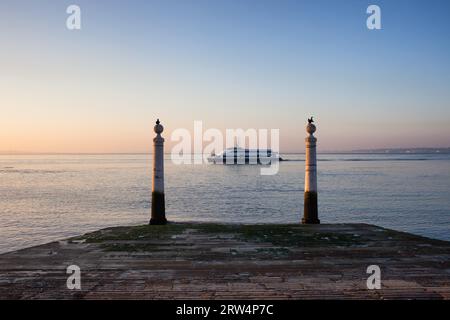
(158,127)
(311,128)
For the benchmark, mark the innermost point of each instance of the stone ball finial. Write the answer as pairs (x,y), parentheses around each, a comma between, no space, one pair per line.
(310,128)
(158,127)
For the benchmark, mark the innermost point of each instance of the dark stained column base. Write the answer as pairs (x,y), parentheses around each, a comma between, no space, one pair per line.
(316,221)
(158,209)
(310,212)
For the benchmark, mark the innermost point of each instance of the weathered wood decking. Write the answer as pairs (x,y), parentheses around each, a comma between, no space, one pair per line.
(216,261)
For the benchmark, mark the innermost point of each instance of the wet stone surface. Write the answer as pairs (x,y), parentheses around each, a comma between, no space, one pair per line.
(231,261)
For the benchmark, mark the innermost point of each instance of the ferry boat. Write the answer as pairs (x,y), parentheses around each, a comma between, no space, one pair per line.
(239,155)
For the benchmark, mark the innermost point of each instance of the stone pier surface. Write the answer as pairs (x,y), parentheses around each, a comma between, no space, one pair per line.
(230,261)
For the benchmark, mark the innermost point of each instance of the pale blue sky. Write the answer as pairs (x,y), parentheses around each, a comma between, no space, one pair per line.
(230,63)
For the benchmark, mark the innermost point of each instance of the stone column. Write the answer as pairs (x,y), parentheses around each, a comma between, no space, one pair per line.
(158,204)
(310,212)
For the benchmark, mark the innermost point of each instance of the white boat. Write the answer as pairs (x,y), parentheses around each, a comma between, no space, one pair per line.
(239,155)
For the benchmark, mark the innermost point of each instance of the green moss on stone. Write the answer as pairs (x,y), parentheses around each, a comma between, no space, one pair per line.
(142,232)
(279,235)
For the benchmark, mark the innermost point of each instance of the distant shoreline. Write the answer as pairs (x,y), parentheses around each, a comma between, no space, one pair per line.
(398,151)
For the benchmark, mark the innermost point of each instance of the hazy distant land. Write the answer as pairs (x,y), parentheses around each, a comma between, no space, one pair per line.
(405,150)
(358,151)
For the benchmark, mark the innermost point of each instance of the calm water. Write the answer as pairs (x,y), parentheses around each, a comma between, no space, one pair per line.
(49,197)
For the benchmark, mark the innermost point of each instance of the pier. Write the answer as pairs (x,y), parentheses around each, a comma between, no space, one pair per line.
(231,261)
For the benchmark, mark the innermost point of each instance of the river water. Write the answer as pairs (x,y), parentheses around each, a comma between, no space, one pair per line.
(49,197)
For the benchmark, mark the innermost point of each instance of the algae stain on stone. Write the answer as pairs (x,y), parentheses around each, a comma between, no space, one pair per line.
(281,236)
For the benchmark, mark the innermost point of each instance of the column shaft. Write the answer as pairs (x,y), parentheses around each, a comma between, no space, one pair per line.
(158,201)
(310,210)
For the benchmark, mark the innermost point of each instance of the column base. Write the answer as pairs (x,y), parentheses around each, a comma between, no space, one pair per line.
(158,209)
(310,212)
(157,222)
(316,221)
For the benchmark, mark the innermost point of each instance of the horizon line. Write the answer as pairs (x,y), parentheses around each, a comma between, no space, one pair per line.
(370,150)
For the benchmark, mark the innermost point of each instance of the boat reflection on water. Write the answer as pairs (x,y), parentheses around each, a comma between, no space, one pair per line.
(239,155)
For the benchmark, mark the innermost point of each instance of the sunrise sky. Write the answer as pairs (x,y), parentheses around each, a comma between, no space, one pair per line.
(230,63)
